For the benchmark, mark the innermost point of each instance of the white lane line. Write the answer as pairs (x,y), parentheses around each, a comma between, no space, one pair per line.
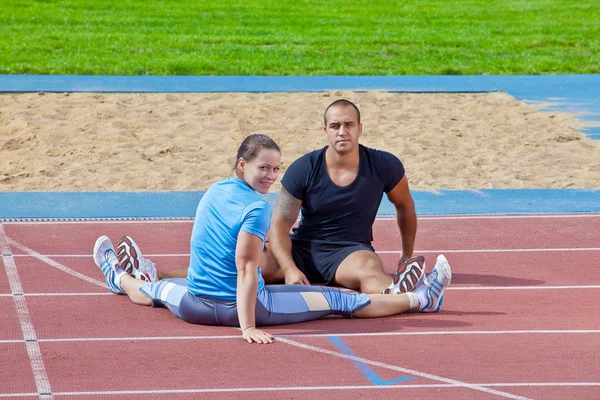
(87,255)
(317,335)
(102,222)
(401,369)
(541,384)
(126,339)
(61,294)
(381,218)
(534,250)
(577,287)
(120,339)
(495,216)
(452,333)
(34,352)
(56,265)
(565,249)
(541,287)
(308,388)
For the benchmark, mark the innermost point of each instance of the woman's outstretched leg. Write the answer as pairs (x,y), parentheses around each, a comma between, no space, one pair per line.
(115,277)
(286,304)
(171,293)
(134,263)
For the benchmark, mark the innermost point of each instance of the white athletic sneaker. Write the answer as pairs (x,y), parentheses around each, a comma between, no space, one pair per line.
(408,276)
(132,261)
(106,258)
(431,290)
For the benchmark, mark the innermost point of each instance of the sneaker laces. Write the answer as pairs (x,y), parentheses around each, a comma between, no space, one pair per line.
(111,257)
(432,277)
(114,271)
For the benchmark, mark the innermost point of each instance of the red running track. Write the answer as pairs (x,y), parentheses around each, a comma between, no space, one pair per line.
(520,320)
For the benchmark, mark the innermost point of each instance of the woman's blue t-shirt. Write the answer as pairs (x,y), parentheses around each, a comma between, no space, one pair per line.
(228,207)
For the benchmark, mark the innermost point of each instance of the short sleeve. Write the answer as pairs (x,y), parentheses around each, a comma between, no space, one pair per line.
(295,179)
(256,219)
(392,170)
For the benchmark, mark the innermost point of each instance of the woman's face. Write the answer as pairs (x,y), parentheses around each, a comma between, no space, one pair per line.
(261,172)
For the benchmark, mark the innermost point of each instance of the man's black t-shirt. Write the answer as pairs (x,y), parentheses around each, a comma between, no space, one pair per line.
(341,213)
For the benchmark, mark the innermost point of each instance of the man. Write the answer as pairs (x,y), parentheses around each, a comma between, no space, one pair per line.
(339,189)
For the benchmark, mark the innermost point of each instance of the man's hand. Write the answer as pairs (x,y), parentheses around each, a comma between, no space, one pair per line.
(402,259)
(295,276)
(406,217)
(256,335)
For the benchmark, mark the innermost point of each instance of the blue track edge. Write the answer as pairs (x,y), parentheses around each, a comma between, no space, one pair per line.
(142,205)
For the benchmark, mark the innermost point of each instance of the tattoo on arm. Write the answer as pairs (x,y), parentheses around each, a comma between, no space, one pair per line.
(287,206)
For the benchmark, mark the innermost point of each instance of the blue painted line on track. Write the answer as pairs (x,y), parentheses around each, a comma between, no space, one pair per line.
(538,86)
(579,94)
(85,205)
(502,201)
(362,367)
(98,204)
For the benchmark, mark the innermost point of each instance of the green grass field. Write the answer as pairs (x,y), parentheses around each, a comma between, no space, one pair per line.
(262,37)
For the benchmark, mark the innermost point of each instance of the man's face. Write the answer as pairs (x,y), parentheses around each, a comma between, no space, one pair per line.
(342,129)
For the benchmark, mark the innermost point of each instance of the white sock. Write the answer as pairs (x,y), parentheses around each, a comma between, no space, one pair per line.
(414,301)
(119,272)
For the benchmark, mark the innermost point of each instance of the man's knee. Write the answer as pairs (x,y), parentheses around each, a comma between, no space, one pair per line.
(371,266)
(363,263)
(359,267)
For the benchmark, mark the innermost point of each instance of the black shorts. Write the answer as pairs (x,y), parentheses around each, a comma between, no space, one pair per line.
(320,259)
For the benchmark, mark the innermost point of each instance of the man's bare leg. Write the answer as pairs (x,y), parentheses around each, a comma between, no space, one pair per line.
(131,287)
(385,305)
(362,271)
(428,296)
(269,268)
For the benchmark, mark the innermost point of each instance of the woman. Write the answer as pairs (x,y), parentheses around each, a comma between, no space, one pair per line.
(224,285)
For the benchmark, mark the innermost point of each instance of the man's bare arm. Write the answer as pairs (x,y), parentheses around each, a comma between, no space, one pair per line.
(285,215)
(406,216)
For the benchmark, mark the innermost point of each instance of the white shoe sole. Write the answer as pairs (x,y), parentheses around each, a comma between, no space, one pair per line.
(129,255)
(445,267)
(408,276)
(442,266)
(128,258)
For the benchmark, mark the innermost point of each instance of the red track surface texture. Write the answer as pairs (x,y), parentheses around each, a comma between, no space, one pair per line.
(521,320)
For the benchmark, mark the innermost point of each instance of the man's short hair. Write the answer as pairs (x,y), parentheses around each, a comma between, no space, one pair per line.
(341,103)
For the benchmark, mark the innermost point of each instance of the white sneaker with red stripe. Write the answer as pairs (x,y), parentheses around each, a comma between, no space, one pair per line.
(408,276)
(132,261)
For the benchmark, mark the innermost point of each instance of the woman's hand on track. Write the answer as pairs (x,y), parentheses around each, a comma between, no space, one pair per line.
(257,336)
